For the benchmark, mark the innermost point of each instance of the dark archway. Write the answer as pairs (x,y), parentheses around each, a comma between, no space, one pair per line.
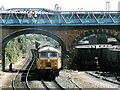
(110,33)
(31,31)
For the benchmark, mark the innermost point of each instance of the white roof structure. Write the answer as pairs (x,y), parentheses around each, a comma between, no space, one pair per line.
(48,48)
(96,46)
(100,46)
(115,48)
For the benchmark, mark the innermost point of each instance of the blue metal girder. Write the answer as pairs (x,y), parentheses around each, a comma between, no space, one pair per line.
(46,17)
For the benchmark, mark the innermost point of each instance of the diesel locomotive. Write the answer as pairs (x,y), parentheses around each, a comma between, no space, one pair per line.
(48,60)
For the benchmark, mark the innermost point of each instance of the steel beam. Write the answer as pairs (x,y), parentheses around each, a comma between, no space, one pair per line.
(44,17)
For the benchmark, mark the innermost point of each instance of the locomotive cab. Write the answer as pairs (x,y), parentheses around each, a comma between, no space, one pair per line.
(48,58)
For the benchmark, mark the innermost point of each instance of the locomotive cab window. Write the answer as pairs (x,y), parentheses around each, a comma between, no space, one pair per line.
(43,54)
(53,54)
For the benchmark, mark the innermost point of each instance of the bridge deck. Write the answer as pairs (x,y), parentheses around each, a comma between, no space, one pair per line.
(46,17)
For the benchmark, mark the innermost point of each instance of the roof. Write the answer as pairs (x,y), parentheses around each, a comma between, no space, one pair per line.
(48,48)
(100,46)
(96,46)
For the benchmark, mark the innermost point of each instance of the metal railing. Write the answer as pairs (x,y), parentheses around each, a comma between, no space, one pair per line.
(47,17)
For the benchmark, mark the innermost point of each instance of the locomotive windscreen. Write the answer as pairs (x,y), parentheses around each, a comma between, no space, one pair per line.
(53,54)
(43,55)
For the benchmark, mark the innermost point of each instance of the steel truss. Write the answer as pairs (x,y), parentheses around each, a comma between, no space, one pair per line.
(46,17)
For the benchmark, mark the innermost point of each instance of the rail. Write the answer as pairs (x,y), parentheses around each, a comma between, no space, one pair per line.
(14,80)
(14,87)
(27,84)
(54,82)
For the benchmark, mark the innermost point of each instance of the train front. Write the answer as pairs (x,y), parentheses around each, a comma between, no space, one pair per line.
(48,60)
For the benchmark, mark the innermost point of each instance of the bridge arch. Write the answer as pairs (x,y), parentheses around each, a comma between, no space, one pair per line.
(111,33)
(31,31)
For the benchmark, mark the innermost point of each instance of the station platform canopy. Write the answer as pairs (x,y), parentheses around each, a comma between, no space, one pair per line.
(115,48)
(99,46)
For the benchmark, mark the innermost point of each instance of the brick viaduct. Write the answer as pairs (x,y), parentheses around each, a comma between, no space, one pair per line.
(69,35)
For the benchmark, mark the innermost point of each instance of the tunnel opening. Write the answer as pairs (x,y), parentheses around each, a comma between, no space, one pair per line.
(22,41)
(97,51)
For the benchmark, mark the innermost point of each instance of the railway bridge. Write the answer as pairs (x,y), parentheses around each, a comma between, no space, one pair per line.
(69,28)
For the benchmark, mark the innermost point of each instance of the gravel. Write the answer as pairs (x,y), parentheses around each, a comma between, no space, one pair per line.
(6,77)
(36,84)
(107,76)
(64,80)
(87,81)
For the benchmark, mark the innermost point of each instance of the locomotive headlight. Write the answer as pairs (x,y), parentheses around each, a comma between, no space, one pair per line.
(41,64)
(48,60)
(55,64)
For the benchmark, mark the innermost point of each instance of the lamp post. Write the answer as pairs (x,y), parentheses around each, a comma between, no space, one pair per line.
(80,9)
(107,4)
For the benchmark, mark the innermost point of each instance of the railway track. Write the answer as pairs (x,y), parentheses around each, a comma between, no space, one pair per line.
(27,84)
(49,85)
(53,84)
(17,83)
(17,80)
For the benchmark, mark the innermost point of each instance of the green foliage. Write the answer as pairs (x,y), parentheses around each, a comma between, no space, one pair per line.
(21,45)
(16,48)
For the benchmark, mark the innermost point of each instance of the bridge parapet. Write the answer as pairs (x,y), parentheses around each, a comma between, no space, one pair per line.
(47,17)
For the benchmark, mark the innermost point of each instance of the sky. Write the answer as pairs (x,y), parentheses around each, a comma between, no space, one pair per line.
(66,5)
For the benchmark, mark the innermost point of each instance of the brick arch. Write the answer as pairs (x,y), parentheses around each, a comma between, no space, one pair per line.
(111,33)
(31,31)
